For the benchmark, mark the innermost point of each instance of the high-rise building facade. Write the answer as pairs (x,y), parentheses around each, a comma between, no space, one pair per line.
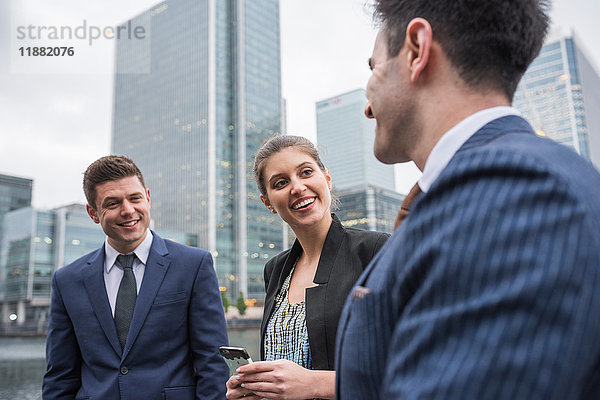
(34,244)
(345,137)
(364,185)
(194,119)
(15,193)
(560,95)
(369,207)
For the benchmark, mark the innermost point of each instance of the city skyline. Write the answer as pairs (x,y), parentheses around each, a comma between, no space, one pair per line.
(194,126)
(53,126)
(559,95)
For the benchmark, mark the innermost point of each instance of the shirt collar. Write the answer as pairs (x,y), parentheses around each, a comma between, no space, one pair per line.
(453,139)
(141,252)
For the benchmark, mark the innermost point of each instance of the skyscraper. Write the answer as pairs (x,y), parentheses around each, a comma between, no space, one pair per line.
(345,138)
(560,95)
(15,193)
(194,119)
(365,186)
(369,207)
(35,243)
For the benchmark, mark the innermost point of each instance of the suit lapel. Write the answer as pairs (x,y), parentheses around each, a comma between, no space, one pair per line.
(154,273)
(332,244)
(93,279)
(316,296)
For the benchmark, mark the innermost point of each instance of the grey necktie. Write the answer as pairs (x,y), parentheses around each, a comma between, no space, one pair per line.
(126,297)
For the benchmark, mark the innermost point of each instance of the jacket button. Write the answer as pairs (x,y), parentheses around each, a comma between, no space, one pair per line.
(124,370)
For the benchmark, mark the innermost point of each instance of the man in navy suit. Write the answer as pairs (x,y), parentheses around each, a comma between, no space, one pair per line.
(139,318)
(490,288)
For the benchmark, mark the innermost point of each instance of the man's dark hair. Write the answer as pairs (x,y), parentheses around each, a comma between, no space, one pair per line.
(108,168)
(490,43)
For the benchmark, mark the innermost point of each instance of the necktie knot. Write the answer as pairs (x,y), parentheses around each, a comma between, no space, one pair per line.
(125,260)
(407,204)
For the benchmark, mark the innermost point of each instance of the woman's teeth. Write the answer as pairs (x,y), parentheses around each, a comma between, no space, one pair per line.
(303,203)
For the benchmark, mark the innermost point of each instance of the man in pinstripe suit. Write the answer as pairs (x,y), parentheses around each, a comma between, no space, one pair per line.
(490,288)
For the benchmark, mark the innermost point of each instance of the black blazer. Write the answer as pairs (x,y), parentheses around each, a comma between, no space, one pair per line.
(346,253)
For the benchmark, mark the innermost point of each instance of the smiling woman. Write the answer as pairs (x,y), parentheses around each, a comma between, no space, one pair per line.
(298,190)
(298,328)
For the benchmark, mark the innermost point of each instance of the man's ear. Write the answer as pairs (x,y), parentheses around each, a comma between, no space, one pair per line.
(92,213)
(418,40)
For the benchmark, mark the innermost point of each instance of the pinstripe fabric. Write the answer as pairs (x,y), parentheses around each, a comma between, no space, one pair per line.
(490,288)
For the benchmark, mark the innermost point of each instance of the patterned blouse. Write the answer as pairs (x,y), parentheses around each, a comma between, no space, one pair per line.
(286,336)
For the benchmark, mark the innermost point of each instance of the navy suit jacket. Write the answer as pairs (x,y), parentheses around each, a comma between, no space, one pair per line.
(490,289)
(172,347)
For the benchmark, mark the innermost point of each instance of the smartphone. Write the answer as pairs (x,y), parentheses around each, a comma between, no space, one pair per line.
(234,357)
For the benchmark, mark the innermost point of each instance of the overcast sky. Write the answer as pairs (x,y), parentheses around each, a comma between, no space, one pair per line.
(52,125)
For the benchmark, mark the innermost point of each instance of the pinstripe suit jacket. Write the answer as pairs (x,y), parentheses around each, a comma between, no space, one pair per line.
(490,289)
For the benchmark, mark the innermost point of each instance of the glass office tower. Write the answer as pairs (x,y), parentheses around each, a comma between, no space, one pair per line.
(191,111)
(35,243)
(345,138)
(560,95)
(364,185)
(369,207)
(15,193)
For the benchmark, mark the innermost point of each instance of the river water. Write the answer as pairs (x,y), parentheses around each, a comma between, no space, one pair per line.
(22,362)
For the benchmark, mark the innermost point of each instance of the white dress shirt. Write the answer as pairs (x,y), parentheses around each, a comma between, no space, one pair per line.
(452,140)
(113,274)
